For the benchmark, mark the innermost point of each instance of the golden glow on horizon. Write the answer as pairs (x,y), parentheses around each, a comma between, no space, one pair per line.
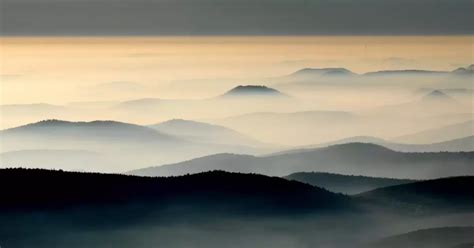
(66,69)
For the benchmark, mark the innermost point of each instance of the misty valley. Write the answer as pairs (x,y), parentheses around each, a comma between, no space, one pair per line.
(328,157)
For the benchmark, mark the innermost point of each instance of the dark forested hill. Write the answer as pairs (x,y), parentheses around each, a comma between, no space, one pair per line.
(438,195)
(445,237)
(247,193)
(107,210)
(347,184)
(42,208)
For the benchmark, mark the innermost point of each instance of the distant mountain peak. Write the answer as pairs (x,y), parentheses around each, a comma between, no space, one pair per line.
(464,71)
(90,129)
(359,147)
(182,123)
(143,101)
(253,90)
(407,72)
(437,95)
(57,122)
(323,72)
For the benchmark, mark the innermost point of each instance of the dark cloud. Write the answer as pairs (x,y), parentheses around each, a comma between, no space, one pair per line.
(235,17)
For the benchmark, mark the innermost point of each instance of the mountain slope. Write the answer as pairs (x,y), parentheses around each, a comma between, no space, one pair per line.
(252,90)
(354,158)
(437,95)
(204,132)
(465,144)
(441,134)
(205,190)
(443,237)
(467,71)
(291,128)
(322,72)
(89,130)
(452,194)
(122,146)
(346,184)
(404,73)
(461,144)
(204,210)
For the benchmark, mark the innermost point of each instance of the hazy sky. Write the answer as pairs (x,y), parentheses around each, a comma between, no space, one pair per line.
(236,17)
(60,70)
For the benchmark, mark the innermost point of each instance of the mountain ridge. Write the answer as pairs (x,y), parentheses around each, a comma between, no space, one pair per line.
(347,184)
(352,158)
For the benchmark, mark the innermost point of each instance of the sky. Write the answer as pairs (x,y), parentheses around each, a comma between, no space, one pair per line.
(68,51)
(60,70)
(236,17)
(84,60)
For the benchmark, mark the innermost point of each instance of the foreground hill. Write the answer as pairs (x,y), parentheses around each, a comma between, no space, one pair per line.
(443,237)
(58,189)
(41,208)
(353,158)
(203,210)
(344,183)
(437,195)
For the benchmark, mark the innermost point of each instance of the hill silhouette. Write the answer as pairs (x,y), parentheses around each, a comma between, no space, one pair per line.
(95,129)
(442,237)
(252,90)
(465,144)
(452,194)
(289,128)
(353,158)
(204,132)
(347,184)
(411,72)
(211,191)
(464,71)
(323,72)
(448,91)
(122,146)
(465,245)
(441,134)
(208,209)
(437,95)
(107,210)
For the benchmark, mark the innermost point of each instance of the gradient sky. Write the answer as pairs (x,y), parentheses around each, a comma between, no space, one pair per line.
(62,69)
(236,17)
